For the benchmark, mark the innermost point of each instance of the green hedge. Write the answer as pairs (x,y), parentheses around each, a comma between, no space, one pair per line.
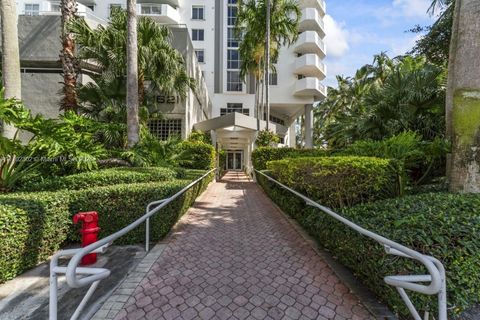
(443,225)
(197,155)
(262,155)
(34,225)
(337,181)
(99,178)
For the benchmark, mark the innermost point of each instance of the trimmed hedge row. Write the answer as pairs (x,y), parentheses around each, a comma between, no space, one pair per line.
(337,181)
(443,225)
(99,178)
(35,225)
(262,155)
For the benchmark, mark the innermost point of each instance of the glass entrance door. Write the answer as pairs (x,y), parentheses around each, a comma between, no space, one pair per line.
(234,160)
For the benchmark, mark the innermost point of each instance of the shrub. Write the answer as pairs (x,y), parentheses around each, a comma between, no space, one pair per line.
(32,227)
(337,181)
(267,138)
(120,205)
(197,155)
(100,178)
(443,225)
(262,155)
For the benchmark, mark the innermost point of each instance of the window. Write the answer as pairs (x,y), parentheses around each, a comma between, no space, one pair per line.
(91,7)
(232,15)
(55,7)
(200,55)
(163,129)
(233,59)
(234,107)
(197,34)
(114,6)
(232,1)
(233,38)
(151,9)
(198,13)
(300,76)
(273,79)
(234,83)
(32,9)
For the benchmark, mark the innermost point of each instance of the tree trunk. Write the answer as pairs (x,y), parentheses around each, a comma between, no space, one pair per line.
(463,98)
(267,67)
(12,81)
(133,130)
(67,57)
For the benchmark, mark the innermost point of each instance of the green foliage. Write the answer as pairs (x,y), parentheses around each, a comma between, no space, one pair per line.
(197,155)
(262,155)
(443,225)
(337,182)
(267,138)
(384,99)
(34,225)
(200,136)
(120,205)
(413,155)
(87,180)
(32,228)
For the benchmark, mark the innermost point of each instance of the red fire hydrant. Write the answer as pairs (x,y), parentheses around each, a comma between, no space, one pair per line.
(89,233)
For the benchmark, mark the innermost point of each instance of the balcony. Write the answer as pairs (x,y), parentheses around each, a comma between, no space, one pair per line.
(310,86)
(173,3)
(162,13)
(52,8)
(310,65)
(311,20)
(317,4)
(310,42)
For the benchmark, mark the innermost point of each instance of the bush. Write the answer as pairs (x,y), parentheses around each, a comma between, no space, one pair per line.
(197,155)
(100,178)
(262,155)
(267,138)
(120,205)
(34,225)
(337,181)
(32,228)
(443,225)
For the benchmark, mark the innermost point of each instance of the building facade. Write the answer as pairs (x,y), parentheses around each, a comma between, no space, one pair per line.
(228,111)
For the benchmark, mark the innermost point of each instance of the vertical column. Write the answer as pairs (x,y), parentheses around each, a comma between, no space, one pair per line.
(309,126)
(292,134)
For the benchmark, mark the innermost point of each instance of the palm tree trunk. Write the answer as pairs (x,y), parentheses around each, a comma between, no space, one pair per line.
(10,57)
(133,131)
(257,94)
(463,98)
(67,57)
(267,66)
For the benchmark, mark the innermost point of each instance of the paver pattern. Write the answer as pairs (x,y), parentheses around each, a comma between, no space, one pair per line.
(235,256)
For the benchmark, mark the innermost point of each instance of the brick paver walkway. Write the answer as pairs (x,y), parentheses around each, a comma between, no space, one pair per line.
(235,256)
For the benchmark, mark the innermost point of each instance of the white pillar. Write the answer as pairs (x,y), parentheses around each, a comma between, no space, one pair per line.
(309,126)
(292,134)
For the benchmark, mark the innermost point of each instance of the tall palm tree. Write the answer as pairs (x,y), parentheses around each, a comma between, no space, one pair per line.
(133,126)
(463,98)
(10,57)
(67,56)
(251,24)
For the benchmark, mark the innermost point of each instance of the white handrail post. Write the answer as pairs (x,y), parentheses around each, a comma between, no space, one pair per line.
(147,234)
(52,307)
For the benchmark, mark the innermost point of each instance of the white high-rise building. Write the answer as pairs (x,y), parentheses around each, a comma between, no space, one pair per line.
(294,88)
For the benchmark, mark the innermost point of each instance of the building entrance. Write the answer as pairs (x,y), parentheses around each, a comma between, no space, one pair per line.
(234,160)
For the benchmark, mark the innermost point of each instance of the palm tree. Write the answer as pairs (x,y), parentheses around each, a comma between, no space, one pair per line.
(463,98)
(251,24)
(67,56)
(133,126)
(10,57)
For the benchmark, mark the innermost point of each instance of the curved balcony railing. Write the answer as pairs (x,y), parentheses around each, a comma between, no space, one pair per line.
(310,42)
(310,65)
(311,20)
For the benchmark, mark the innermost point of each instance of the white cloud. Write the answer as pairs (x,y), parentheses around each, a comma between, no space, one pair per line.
(413,8)
(336,39)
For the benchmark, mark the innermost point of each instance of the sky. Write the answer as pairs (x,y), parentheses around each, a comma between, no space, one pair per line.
(359,29)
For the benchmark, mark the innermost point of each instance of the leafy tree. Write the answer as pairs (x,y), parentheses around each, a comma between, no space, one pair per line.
(435,44)
(266,138)
(383,99)
(251,25)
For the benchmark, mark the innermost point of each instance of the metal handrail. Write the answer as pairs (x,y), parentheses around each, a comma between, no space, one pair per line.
(93,275)
(435,268)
